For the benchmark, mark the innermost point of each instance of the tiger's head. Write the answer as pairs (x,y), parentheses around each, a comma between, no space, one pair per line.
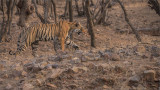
(78,28)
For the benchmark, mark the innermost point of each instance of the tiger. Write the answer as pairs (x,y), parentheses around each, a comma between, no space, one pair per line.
(62,31)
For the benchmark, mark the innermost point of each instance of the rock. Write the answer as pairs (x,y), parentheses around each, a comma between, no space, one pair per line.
(76,69)
(43,64)
(2,67)
(119,69)
(9,87)
(155,51)
(28,86)
(73,86)
(109,55)
(134,81)
(33,67)
(149,75)
(140,49)
(104,55)
(104,81)
(126,62)
(49,67)
(141,87)
(55,58)
(40,81)
(17,67)
(55,73)
(24,73)
(90,57)
(75,60)
(55,66)
(16,73)
(105,86)
(79,53)
(115,57)
(3,50)
(92,66)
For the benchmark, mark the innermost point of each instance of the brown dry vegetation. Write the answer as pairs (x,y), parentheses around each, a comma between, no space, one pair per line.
(117,63)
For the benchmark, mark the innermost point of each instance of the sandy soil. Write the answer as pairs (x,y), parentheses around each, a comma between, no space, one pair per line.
(118,62)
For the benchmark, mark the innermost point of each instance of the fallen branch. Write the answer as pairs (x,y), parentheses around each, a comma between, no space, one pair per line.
(150,31)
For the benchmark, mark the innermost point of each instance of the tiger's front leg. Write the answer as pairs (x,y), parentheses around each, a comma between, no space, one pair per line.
(57,44)
(63,44)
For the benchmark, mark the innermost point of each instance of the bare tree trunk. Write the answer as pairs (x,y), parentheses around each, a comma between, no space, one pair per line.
(55,11)
(26,9)
(77,7)
(66,8)
(102,16)
(45,11)
(10,14)
(127,20)
(70,11)
(92,4)
(90,24)
(2,33)
(83,5)
(5,31)
(37,13)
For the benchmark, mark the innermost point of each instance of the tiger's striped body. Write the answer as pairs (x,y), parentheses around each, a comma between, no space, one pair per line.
(46,32)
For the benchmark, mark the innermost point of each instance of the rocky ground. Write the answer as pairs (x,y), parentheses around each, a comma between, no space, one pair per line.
(118,62)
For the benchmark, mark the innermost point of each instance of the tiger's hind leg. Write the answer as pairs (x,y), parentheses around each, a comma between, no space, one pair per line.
(56,44)
(34,48)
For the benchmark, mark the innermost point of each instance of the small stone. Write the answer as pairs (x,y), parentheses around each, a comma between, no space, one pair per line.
(115,57)
(28,86)
(34,67)
(55,66)
(140,49)
(9,87)
(149,75)
(134,81)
